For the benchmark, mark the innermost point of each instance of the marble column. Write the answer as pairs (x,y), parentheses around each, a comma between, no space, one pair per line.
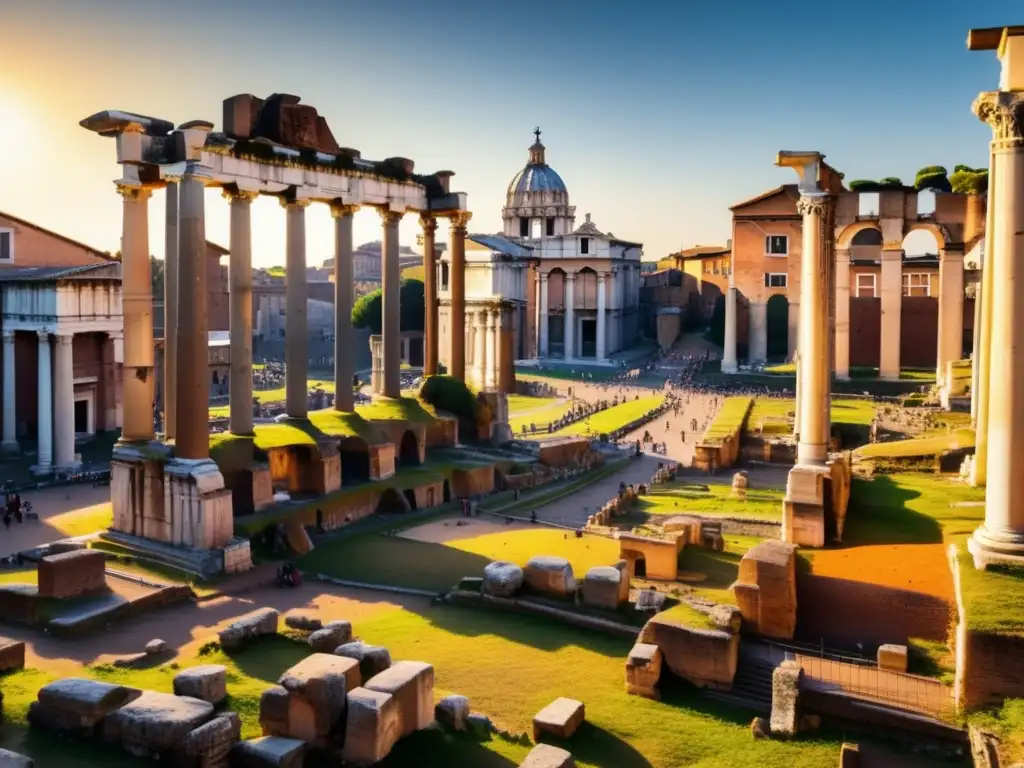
(542,317)
(10,438)
(842,336)
(296,329)
(240,303)
(170,359)
(1001,537)
(44,410)
(192,433)
(138,389)
(457,294)
(430,345)
(570,315)
(480,348)
(391,310)
(601,288)
(951,310)
(729,363)
(64,402)
(491,350)
(757,332)
(344,370)
(976,349)
(892,307)
(983,352)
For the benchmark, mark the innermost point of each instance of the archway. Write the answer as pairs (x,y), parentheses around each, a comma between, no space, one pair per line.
(919,308)
(778,327)
(409,450)
(556,308)
(392,503)
(354,453)
(410,498)
(446,492)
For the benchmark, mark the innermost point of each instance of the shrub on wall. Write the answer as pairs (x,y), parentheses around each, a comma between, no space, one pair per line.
(864,185)
(891,182)
(449,394)
(969,181)
(934,177)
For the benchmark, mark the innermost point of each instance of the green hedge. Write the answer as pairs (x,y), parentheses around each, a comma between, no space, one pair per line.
(449,394)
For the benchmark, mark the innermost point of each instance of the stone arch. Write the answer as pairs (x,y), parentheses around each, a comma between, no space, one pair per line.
(392,502)
(354,453)
(556,288)
(846,236)
(937,231)
(637,563)
(409,449)
(410,498)
(777,327)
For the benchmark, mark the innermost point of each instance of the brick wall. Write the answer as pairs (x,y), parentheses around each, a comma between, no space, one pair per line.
(70,574)
(865,332)
(994,668)
(919,331)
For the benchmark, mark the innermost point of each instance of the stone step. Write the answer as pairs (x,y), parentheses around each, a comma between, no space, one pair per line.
(197,562)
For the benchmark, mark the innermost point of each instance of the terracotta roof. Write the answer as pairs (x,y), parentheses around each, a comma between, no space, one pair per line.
(44,230)
(699,251)
(790,189)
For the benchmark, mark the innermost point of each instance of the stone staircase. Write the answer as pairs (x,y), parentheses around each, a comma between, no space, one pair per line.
(751,688)
(202,563)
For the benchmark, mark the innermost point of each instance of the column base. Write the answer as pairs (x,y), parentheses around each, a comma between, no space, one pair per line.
(42,470)
(197,506)
(729,367)
(803,508)
(11,448)
(996,548)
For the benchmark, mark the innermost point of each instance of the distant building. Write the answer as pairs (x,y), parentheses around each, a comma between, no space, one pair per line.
(705,270)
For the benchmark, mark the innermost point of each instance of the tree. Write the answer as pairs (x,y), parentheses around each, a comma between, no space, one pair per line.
(934,177)
(367,312)
(969,181)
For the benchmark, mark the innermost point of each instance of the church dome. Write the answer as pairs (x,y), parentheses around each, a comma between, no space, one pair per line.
(536,179)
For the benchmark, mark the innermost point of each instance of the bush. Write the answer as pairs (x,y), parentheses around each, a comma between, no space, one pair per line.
(448,394)
(933,177)
(864,185)
(969,181)
(367,312)
(891,182)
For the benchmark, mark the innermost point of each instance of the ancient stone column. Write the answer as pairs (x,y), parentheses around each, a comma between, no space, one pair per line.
(951,310)
(44,411)
(983,351)
(542,317)
(601,288)
(480,348)
(490,380)
(976,353)
(64,402)
(729,363)
(842,336)
(170,361)
(1002,535)
(570,315)
(757,332)
(344,281)
(192,433)
(10,438)
(391,310)
(430,346)
(457,293)
(240,300)
(296,328)
(137,309)
(892,307)
(793,328)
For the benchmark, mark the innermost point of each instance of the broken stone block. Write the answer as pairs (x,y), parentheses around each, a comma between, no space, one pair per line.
(480,725)
(412,685)
(10,759)
(560,718)
(550,576)
(154,647)
(247,628)
(547,756)
(79,572)
(268,752)
(760,728)
(785,720)
(650,600)
(765,589)
(502,579)
(372,659)
(892,657)
(643,670)
(12,654)
(373,725)
(601,587)
(274,711)
(77,705)
(155,723)
(210,744)
(451,712)
(207,682)
(332,635)
(705,657)
(302,622)
(316,688)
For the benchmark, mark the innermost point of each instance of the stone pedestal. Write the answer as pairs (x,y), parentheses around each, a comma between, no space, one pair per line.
(803,508)
(197,505)
(137,490)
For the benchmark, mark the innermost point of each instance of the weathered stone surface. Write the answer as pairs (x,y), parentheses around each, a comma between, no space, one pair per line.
(650,600)
(12,654)
(550,576)
(372,658)
(303,622)
(560,718)
(373,725)
(274,711)
(154,647)
(268,752)
(10,759)
(760,728)
(247,628)
(207,682)
(316,689)
(704,657)
(601,587)
(80,572)
(412,685)
(76,704)
(727,617)
(479,724)
(766,589)
(892,657)
(155,723)
(643,670)
(547,756)
(451,712)
(785,720)
(326,640)
(502,579)
(210,744)
(132,661)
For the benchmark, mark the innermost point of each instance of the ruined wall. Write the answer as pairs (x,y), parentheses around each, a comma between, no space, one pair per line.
(919,331)
(865,332)
(706,658)
(993,668)
(70,574)
(471,482)
(564,452)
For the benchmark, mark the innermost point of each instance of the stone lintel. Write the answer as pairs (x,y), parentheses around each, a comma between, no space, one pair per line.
(152,450)
(111,122)
(806,165)
(204,473)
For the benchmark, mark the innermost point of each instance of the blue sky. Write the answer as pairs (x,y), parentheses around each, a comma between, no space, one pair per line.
(658,115)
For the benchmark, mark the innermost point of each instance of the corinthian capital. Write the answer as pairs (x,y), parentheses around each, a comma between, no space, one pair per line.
(390,217)
(239,195)
(429,224)
(1004,111)
(340,210)
(132,192)
(460,219)
(813,206)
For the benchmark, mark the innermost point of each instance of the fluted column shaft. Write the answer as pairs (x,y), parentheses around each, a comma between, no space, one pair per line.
(344,280)
(430,341)
(64,402)
(480,348)
(976,353)
(570,315)
(296,330)
(191,439)
(457,292)
(44,410)
(542,315)
(170,361)
(391,331)
(10,438)
(240,301)
(983,353)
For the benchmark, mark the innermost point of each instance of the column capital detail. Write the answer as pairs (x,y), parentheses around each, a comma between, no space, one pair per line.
(171,178)
(239,195)
(602,276)
(298,203)
(389,217)
(8,335)
(813,205)
(133,192)
(1004,111)
(544,276)
(570,275)
(115,334)
(44,336)
(341,210)
(64,338)
(428,223)
(460,219)
(197,171)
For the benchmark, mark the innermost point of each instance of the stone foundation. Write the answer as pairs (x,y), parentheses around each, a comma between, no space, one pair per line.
(382,461)
(803,508)
(472,482)
(704,657)
(71,574)
(766,589)
(137,490)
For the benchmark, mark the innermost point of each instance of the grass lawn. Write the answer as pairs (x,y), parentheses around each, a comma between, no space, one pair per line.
(728,420)
(519,403)
(401,408)
(858,372)
(79,522)
(540,418)
(20,576)
(273,395)
(774,415)
(613,418)
(919,446)
(679,498)
(1006,722)
(720,569)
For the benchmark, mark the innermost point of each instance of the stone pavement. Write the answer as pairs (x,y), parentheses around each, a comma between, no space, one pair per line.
(49,503)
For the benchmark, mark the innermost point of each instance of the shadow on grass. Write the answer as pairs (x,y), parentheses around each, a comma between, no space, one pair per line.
(878,514)
(593,744)
(48,750)
(267,658)
(437,749)
(720,568)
